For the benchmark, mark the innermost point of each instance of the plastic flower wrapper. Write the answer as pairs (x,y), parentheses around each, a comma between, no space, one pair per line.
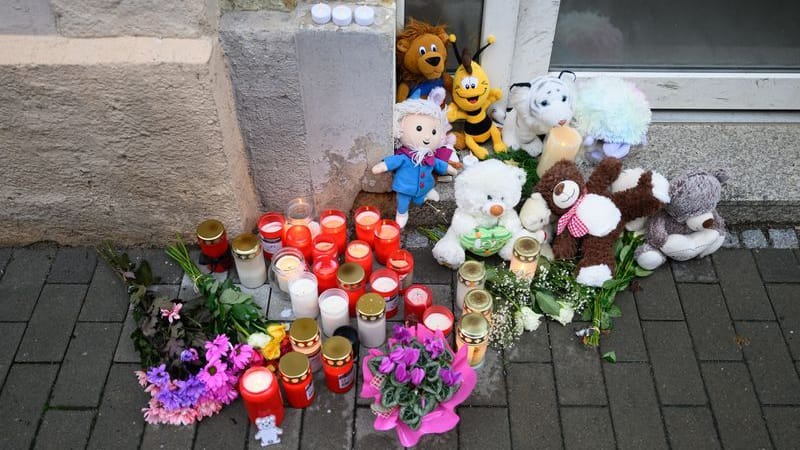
(417,385)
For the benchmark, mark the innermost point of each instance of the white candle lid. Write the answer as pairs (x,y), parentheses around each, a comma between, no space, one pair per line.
(321,13)
(342,15)
(365,16)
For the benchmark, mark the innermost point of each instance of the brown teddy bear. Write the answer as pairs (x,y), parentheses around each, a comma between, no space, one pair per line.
(591,218)
(421,60)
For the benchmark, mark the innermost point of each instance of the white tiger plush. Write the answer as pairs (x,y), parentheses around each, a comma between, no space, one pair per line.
(534,108)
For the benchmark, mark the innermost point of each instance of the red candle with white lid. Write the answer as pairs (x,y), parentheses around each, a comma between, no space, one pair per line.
(386,240)
(366,218)
(334,223)
(270,230)
(416,300)
(385,283)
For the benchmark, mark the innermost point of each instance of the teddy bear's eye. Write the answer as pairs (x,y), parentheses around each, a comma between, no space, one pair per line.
(422,51)
(489,197)
(433,132)
(563,98)
(419,127)
(433,47)
(545,103)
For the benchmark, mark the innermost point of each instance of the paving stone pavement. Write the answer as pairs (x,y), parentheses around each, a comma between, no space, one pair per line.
(708,357)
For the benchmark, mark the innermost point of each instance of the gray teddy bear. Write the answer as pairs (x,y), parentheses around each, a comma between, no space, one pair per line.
(689,226)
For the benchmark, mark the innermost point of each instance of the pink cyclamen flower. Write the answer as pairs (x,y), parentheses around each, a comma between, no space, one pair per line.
(417,375)
(401,373)
(397,354)
(411,357)
(386,366)
(435,347)
(173,313)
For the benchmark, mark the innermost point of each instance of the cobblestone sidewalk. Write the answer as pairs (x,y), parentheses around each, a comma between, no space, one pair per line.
(708,356)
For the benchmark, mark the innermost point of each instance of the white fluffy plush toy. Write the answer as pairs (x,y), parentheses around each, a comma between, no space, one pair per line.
(534,108)
(485,221)
(535,216)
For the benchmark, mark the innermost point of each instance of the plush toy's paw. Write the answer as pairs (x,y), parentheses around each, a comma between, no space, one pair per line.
(616,150)
(594,275)
(401,219)
(500,147)
(682,247)
(507,251)
(546,251)
(432,195)
(714,246)
(449,253)
(649,258)
(660,187)
(533,148)
(479,152)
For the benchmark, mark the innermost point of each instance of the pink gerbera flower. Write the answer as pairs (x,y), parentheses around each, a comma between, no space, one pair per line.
(218,348)
(213,375)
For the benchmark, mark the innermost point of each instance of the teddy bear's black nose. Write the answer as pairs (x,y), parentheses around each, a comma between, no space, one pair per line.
(708,224)
(433,60)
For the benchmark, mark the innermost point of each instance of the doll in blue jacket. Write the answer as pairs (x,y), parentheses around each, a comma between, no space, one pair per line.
(421,154)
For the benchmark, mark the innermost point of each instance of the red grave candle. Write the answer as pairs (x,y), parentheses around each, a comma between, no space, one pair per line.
(350,278)
(337,363)
(324,245)
(384,282)
(299,237)
(366,217)
(437,317)
(402,262)
(325,268)
(298,384)
(417,299)
(334,223)
(213,242)
(270,230)
(261,395)
(387,239)
(359,252)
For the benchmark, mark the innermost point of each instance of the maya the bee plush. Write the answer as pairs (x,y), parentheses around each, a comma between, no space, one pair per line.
(472,97)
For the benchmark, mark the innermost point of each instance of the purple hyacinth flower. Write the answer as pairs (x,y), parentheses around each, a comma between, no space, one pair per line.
(401,373)
(386,366)
(434,346)
(417,375)
(158,375)
(449,376)
(397,354)
(402,335)
(411,357)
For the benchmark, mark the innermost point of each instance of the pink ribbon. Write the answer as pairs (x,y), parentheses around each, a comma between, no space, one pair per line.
(572,222)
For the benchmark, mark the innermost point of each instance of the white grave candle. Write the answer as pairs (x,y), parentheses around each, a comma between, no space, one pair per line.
(333,308)
(303,292)
(287,268)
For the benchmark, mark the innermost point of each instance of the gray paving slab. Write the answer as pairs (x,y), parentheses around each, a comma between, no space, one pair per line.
(690,427)
(754,239)
(291,426)
(676,373)
(475,434)
(784,426)
(280,306)
(107,298)
(64,429)
(12,335)
(22,403)
(119,423)
(786,301)
(51,324)
(73,265)
(83,372)
(770,363)
(427,270)
(226,430)
(332,413)
(491,387)
(533,346)
(694,271)
(578,375)
(626,338)
(5,256)
(367,437)
(709,322)
(22,282)
(161,264)
(414,239)
(783,238)
(167,436)
(742,286)
(777,265)
(735,406)
(731,240)
(587,427)
(657,299)
(533,406)
(634,406)
(126,352)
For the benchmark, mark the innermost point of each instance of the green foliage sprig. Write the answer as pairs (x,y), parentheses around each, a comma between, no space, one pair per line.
(524,161)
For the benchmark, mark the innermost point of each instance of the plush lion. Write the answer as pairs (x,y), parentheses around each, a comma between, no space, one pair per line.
(421,60)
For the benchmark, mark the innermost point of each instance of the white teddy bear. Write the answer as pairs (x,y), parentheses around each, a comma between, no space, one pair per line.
(486,193)
(535,216)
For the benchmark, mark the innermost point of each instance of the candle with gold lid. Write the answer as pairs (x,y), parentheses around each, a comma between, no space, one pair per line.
(350,278)
(371,320)
(479,301)
(525,257)
(337,356)
(298,384)
(304,337)
(213,242)
(473,331)
(249,259)
(471,275)
(562,142)
(359,252)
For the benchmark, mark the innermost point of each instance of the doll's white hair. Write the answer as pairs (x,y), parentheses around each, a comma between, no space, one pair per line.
(428,107)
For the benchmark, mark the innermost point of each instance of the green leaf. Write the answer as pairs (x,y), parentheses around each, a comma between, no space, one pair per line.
(640,272)
(623,254)
(610,356)
(547,303)
(231,297)
(610,284)
(614,311)
(144,274)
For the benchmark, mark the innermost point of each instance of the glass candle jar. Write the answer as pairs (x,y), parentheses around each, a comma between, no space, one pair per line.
(366,217)
(337,363)
(471,275)
(334,223)
(350,278)
(384,282)
(303,293)
(333,310)
(304,337)
(261,394)
(286,265)
(479,301)
(346,331)
(371,320)
(325,269)
(299,211)
(416,300)
(270,229)
(473,331)
(324,245)
(249,260)
(360,253)
(438,317)
(298,384)
(387,239)
(213,242)
(525,257)
(402,262)
(299,237)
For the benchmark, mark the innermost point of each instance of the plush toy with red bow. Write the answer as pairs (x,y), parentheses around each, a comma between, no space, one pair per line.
(591,218)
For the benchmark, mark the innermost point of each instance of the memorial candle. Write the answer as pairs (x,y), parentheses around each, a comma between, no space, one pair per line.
(473,331)
(384,282)
(402,262)
(350,278)
(366,217)
(324,245)
(261,394)
(213,242)
(561,143)
(325,269)
(337,357)
(249,259)
(525,257)
(471,275)
(298,384)
(359,252)
(333,305)
(371,320)
(304,337)
(286,265)
(479,301)
(334,223)
(270,228)
(299,237)
(387,239)
(417,299)
(438,317)
(303,293)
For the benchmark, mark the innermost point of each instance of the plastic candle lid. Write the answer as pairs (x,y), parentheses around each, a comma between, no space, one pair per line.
(303,330)
(471,271)
(474,325)
(293,365)
(321,13)
(478,300)
(342,15)
(526,247)
(246,244)
(336,348)
(210,229)
(371,305)
(350,273)
(365,16)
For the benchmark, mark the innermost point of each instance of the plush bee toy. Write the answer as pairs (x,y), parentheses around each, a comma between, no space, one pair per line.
(472,97)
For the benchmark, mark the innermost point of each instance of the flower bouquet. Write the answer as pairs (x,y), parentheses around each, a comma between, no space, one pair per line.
(417,385)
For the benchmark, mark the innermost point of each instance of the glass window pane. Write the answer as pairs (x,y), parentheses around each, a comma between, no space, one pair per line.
(462,18)
(724,35)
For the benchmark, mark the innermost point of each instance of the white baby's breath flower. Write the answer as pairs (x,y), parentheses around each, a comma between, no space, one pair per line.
(530,320)
(258,340)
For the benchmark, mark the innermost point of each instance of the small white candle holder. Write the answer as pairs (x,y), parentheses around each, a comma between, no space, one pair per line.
(321,13)
(342,15)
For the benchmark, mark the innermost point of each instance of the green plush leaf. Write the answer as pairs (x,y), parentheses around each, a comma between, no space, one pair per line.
(610,357)
(547,303)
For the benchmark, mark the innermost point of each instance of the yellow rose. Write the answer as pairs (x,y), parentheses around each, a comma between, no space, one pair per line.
(273,348)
